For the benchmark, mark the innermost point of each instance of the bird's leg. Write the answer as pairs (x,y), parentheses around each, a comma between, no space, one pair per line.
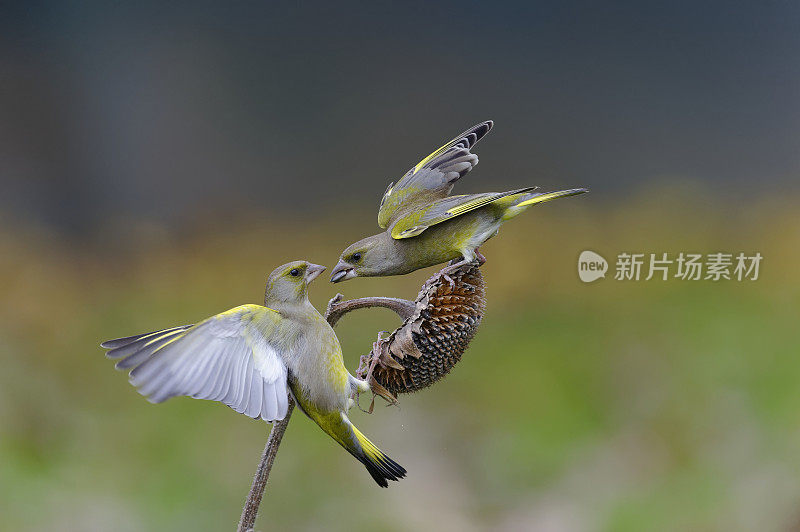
(453,267)
(375,387)
(376,346)
(371,405)
(376,350)
(356,401)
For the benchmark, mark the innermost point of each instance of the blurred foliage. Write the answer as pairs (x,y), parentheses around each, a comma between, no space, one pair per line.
(610,406)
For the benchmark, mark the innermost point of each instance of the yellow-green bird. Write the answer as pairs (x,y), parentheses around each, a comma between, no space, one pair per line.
(251,357)
(424,226)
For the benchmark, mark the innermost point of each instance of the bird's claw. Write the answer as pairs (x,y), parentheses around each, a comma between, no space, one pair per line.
(369,364)
(376,349)
(376,390)
(371,404)
(446,272)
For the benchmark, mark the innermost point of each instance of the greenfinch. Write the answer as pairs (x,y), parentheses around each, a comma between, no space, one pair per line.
(424,226)
(251,357)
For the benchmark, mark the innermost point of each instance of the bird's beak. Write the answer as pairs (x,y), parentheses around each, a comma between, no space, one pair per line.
(342,272)
(313,271)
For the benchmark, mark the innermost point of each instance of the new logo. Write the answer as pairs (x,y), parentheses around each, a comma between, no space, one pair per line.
(591,266)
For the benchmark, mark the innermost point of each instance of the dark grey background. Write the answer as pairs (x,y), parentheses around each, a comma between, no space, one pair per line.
(170,113)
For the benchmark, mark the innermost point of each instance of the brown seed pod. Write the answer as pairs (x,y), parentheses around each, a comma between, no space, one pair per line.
(436,330)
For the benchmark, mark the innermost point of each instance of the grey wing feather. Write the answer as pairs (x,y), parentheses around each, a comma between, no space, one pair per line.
(119,342)
(433,177)
(225,358)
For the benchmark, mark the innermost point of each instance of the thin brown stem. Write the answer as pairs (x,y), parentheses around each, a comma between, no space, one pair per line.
(261,477)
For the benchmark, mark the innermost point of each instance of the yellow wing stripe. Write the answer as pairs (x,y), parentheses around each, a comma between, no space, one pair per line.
(551,196)
(179,332)
(453,142)
(435,154)
(170,332)
(159,348)
(470,205)
(171,329)
(249,308)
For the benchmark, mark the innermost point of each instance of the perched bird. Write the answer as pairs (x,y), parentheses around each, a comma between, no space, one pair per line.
(424,226)
(251,357)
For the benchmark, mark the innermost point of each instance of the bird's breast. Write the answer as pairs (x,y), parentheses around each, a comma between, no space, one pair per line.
(319,370)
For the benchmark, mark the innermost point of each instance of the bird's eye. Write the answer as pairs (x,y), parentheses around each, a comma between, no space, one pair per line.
(356,257)
(295,272)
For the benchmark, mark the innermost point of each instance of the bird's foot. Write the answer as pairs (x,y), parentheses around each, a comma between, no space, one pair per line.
(376,349)
(446,272)
(365,364)
(377,390)
(480,257)
(358,404)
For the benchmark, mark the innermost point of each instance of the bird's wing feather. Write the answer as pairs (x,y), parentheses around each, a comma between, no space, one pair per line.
(445,209)
(433,177)
(228,358)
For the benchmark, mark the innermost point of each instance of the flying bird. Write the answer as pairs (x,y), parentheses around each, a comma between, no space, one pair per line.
(251,357)
(425,226)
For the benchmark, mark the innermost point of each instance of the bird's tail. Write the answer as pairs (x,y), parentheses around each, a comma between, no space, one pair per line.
(379,466)
(520,202)
(338,426)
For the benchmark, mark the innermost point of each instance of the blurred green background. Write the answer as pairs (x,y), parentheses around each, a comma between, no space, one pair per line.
(157,162)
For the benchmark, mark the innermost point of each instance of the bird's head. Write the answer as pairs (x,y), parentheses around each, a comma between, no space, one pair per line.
(289,283)
(365,258)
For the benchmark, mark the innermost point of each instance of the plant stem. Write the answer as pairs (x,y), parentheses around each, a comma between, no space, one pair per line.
(338,308)
(261,477)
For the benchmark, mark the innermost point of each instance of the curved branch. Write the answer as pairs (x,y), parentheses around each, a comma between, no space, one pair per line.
(338,308)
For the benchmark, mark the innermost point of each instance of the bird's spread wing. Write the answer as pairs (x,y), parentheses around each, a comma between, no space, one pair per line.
(433,177)
(227,358)
(442,210)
